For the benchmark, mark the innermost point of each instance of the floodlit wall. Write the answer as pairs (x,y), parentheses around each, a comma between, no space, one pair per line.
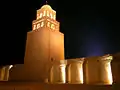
(92,70)
(75,71)
(58,72)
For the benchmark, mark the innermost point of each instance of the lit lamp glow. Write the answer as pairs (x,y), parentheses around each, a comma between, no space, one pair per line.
(10,66)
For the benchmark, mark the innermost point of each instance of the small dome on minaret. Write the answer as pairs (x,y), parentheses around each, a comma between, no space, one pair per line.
(46,10)
(46,6)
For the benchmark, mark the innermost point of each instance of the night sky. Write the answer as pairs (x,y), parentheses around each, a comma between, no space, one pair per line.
(90,28)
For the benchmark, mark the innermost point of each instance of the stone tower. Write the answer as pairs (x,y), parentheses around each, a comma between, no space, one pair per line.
(45,43)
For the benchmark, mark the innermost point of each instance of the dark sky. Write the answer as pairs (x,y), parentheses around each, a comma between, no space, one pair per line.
(90,28)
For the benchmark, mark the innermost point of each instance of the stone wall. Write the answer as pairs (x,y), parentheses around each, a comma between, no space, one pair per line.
(40,86)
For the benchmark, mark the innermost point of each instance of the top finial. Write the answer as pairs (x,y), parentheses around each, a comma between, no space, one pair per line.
(46,2)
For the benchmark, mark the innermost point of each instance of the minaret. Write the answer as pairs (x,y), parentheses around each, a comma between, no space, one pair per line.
(44,44)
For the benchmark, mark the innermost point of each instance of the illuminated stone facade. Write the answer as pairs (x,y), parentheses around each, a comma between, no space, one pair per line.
(105,69)
(58,72)
(4,72)
(75,71)
(44,57)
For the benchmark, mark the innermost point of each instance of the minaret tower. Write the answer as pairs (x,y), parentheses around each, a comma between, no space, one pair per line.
(46,17)
(45,43)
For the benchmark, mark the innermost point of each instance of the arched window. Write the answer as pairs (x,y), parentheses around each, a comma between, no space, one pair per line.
(42,24)
(40,15)
(54,17)
(48,24)
(38,25)
(48,13)
(52,26)
(44,13)
(34,27)
(51,15)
